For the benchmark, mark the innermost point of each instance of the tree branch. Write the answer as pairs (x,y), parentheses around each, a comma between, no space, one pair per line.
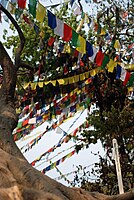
(25,65)
(21,35)
(9,74)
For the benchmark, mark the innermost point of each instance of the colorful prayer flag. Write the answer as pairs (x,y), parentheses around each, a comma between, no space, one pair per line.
(40,12)
(111,65)
(82,47)
(59,29)
(99,58)
(32,7)
(22,4)
(67,33)
(51,20)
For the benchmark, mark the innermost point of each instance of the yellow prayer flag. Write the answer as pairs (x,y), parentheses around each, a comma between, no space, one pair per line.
(47,82)
(40,12)
(82,47)
(66,81)
(76,78)
(93,72)
(26,85)
(33,86)
(111,65)
(53,83)
(67,48)
(86,74)
(117,44)
(103,32)
(82,77)
(61,81)
(71,80)
(40,84)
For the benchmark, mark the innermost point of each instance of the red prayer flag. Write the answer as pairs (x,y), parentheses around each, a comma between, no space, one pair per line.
(99,58)
(26,19)
(22,4)
(67,33)
(128,75)
(25,122)
(51,41)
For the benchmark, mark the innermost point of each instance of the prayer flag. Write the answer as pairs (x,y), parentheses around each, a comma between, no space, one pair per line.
(11,8)
(82,47)
(111,65)
(51,41)
(71,2)
(127,77)
(51,20)
(67,33)
(76,9)
(59,29)
(32,7)
(22,4)
(118,72)
(95,50)
(131,80)
(75,40)
(105,61)
(117,44)
(40,12)
(123,74)
(99,58)
(89,49)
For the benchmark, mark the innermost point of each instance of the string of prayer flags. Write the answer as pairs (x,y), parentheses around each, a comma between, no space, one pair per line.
(53,165)
(40,12)
(32,7)
(52,23)
(22,4)
(122,74)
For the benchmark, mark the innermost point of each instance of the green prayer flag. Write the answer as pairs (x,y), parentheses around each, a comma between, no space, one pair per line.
(19,125)
(131,81)
(75,39)
(32,7)
(105,61)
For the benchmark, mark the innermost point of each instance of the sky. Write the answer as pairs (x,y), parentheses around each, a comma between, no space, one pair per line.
(83,158)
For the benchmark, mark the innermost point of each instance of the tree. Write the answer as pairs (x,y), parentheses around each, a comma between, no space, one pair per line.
(18,179)
(119,125)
